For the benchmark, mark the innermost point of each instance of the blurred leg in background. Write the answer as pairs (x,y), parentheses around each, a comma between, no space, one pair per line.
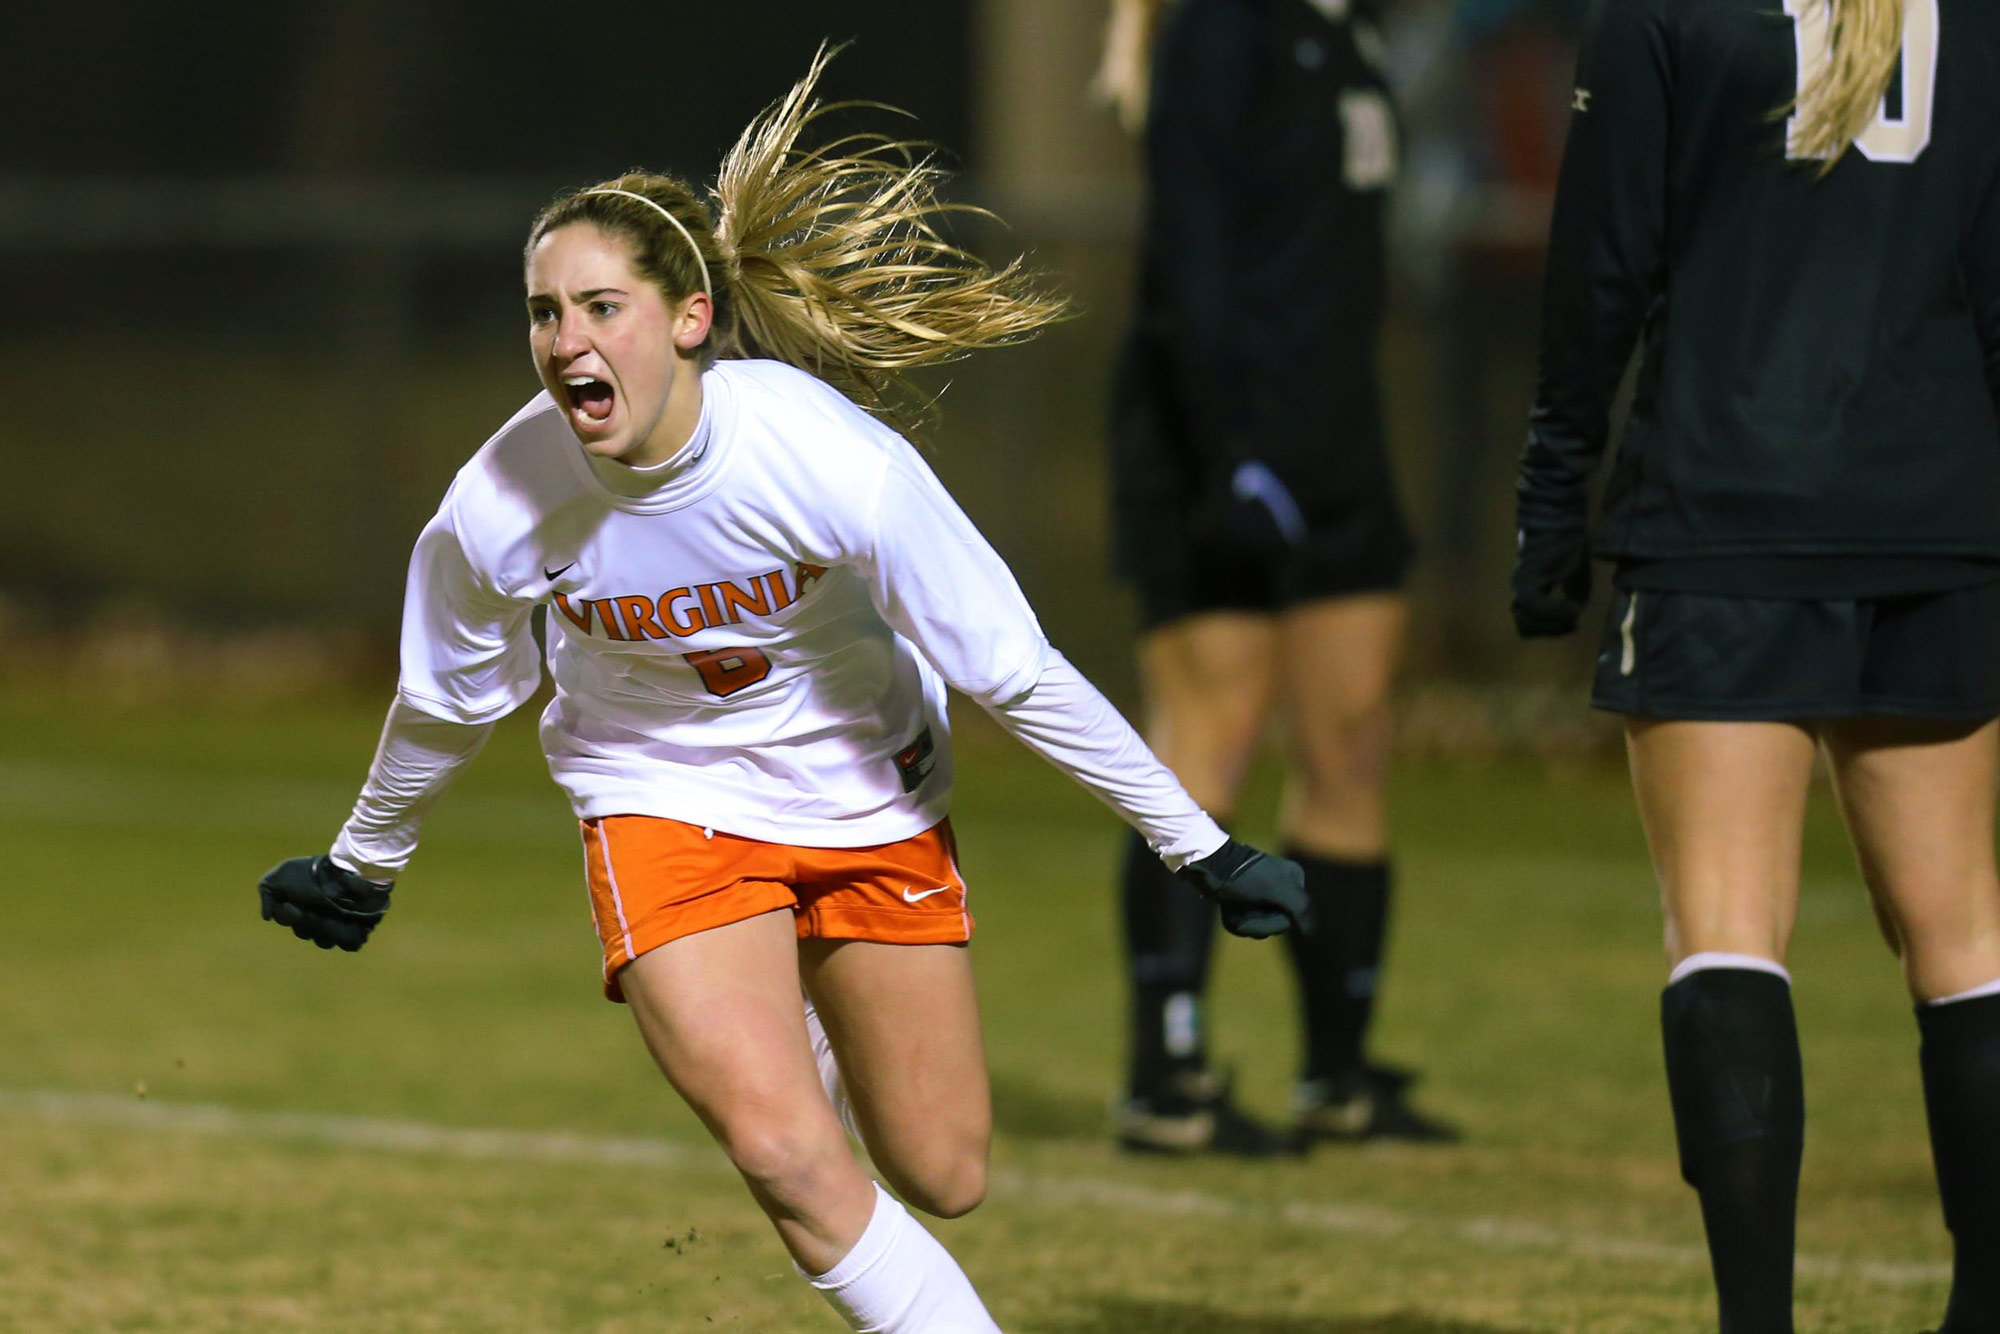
(1336,662)
(1208,682)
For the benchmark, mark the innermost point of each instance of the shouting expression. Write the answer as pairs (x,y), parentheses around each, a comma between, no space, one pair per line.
(621,362)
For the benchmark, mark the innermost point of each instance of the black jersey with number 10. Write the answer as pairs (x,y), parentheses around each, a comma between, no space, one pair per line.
(1821,350)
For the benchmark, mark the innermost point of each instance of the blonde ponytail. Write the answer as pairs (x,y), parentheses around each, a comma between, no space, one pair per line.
(1836,103)
(827,258)
(837,265)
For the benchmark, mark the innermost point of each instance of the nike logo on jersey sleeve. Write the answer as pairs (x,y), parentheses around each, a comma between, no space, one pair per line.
(908,897)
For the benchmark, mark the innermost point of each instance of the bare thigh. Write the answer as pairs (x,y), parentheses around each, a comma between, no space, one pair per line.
(720,1012)
(1208,681)
(904,1023)
(1724,808)
(1337,660)
(1918,796)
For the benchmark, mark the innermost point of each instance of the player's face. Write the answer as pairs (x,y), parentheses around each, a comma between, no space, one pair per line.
(609,349)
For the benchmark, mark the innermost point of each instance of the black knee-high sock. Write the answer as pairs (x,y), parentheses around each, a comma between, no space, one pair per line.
(1961,1063)
(1338,963)
(1169,934)
(1733,1071)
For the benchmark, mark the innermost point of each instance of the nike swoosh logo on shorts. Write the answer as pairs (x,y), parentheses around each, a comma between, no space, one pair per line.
(908,897)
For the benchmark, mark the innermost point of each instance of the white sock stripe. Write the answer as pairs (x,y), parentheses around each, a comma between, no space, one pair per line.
(1987,989)
(1696,963)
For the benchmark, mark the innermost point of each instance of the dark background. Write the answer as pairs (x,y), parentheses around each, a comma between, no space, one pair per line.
(262,269)
(216,88)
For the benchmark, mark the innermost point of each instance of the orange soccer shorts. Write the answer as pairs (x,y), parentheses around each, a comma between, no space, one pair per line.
(654,880)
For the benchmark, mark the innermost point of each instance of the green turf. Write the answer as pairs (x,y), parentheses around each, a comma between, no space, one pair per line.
(1524,979)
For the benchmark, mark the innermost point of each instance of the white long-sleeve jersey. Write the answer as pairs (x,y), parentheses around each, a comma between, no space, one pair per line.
(759,643)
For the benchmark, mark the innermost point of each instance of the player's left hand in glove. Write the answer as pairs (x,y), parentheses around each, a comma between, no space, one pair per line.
(1260,895)
(322,902)
(1551,582)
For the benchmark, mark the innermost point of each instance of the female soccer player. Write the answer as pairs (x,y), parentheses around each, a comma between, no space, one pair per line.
(757,593)
(1798,210)
(1255,512)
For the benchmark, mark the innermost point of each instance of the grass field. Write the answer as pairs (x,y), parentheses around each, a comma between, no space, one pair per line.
(206,1125)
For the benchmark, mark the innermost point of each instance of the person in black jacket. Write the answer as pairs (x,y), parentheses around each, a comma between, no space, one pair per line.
(1795,210)
(1255,512)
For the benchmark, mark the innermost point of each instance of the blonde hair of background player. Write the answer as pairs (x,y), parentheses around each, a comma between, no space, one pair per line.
(1124,77)
(827,258)
(1836,106)
(1833,109)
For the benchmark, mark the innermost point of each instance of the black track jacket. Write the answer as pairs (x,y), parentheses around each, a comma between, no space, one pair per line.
(1821,357)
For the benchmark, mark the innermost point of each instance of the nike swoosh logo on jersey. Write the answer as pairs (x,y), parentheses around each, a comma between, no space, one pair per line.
(553,575)
(908,897)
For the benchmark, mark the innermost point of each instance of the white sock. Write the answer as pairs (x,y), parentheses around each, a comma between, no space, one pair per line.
(829,1071)
(1989,989)
(898,1280)
(1695,963)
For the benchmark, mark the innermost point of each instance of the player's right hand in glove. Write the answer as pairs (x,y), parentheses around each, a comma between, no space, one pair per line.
(1551,582)
(1260,895)
(323,902)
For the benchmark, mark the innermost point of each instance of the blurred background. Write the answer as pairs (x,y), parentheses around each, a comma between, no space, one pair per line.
(261,265)
(264,269)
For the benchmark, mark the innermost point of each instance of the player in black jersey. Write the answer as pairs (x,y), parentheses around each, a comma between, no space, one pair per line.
(1255,511)
(1795,208)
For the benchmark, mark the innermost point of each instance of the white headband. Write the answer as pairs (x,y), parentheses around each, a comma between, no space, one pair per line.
(705,285)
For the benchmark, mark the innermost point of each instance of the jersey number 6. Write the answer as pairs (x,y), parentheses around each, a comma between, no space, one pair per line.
(727,670)
(1902,128)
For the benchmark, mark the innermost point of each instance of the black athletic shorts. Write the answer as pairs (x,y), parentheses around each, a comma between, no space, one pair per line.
(1700,656)
(1363,548)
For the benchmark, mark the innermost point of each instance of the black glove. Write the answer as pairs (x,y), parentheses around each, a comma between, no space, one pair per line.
(323,903)
(1551,582)
(1259,895)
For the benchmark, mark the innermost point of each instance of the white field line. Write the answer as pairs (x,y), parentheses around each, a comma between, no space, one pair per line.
(418,1137)
(358,1132)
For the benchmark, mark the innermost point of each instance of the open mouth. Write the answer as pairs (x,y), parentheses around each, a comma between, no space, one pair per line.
(589,399)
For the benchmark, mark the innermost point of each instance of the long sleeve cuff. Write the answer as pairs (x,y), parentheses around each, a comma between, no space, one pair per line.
(1064,719)
(415,761)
